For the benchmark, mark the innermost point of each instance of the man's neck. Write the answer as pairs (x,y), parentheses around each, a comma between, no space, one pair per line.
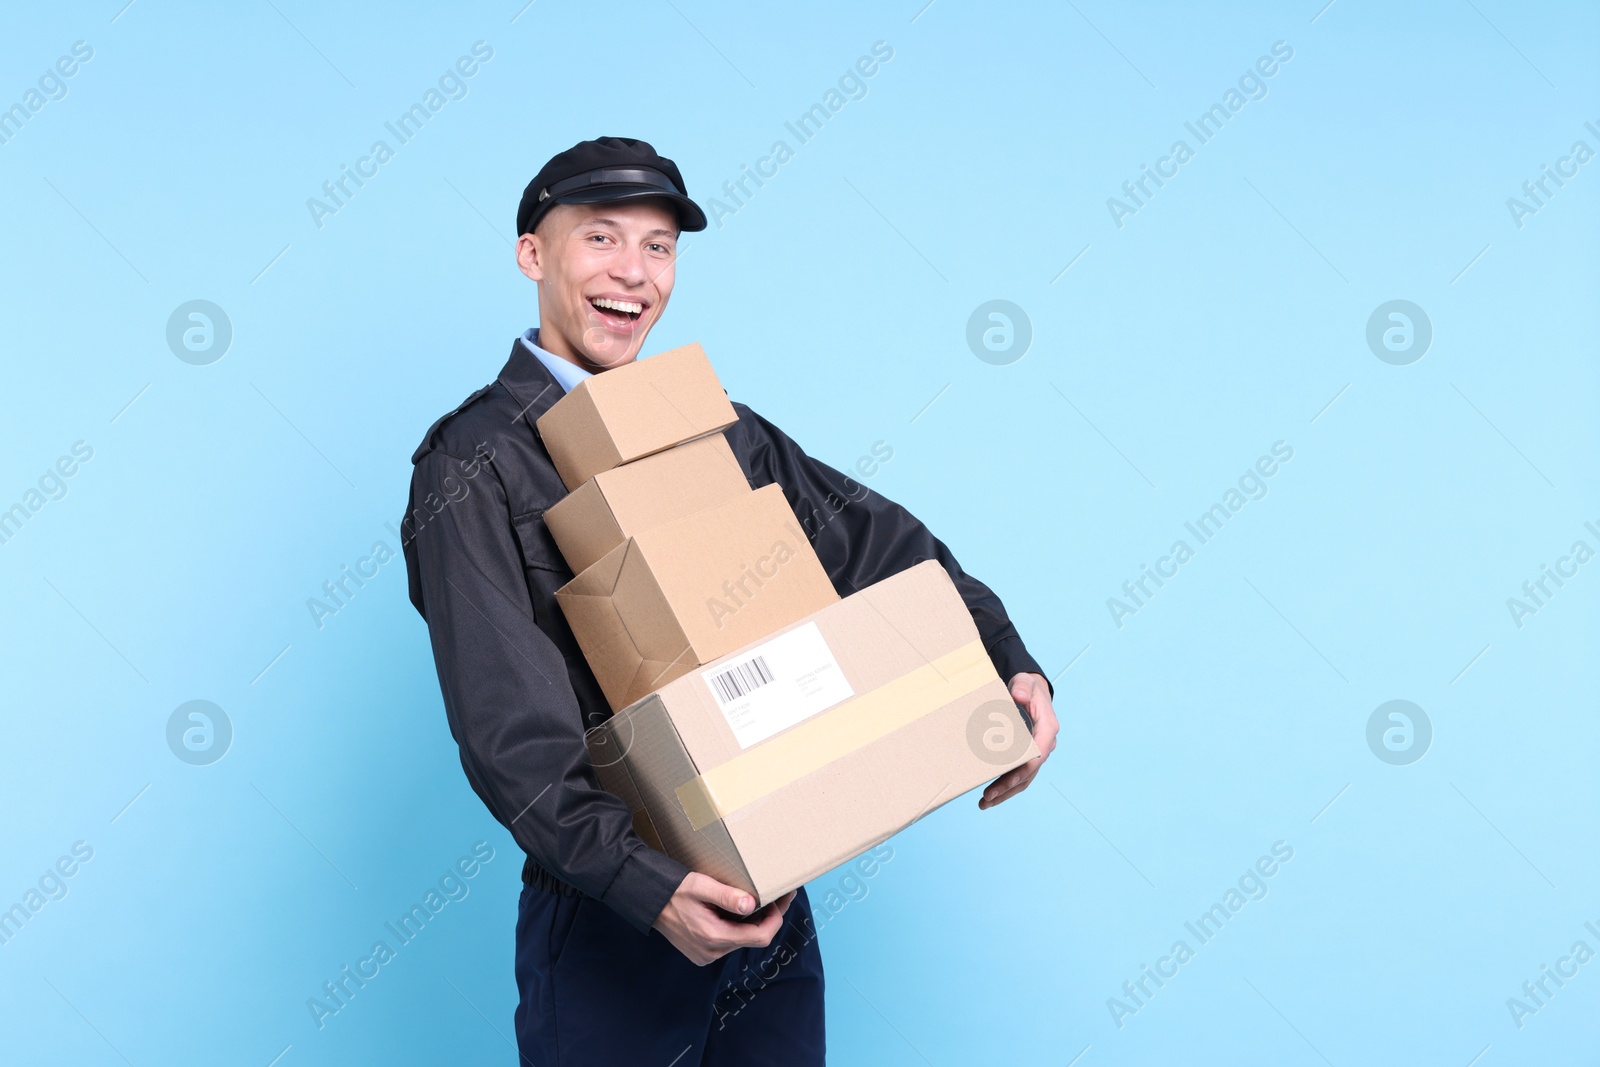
(558,345)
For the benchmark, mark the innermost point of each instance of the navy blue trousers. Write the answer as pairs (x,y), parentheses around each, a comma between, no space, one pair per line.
(594,992)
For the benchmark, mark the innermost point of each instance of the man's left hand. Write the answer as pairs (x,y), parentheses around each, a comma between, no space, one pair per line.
(1033,693)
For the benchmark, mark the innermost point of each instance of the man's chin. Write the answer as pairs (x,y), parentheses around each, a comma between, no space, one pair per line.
(606,348)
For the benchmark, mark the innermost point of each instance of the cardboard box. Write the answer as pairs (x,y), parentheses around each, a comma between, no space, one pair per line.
(683,593)
(775,764)
(630,412)
(611,507)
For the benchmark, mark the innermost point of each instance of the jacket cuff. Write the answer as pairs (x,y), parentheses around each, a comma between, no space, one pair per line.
(643,885)
(1011,658)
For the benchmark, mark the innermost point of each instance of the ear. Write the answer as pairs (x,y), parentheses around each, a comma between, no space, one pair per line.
(530,256)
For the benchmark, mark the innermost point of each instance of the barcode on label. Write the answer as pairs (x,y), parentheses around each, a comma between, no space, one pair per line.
(741,678)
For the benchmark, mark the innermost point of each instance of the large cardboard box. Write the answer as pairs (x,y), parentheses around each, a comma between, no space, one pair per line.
(630,412)
(777,763)
(683,593)
(612,506)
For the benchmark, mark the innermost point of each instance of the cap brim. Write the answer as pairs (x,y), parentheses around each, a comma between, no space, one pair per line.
(690,218)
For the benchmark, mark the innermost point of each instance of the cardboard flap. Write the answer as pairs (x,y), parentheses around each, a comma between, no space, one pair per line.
(614,661)
(587,603)
(646,611)
(653,674)
(598,579)
(682,593)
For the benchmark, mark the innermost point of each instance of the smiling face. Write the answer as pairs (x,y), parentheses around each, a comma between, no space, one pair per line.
(605,272)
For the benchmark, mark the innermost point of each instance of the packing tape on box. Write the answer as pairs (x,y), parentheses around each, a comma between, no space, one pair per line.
(817,742)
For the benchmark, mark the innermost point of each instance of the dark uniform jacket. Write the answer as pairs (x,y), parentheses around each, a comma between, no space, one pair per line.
(518,694)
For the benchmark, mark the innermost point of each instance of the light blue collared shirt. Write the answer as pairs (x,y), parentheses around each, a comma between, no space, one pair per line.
(566,374)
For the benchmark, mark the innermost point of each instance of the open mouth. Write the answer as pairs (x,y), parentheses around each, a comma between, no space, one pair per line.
(617,314)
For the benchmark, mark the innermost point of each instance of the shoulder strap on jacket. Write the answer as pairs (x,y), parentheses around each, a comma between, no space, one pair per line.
(428,438)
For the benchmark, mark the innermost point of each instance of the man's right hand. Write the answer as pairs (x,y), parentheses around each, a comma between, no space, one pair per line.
(705,920)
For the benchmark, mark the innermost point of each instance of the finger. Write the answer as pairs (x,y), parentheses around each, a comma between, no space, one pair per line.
(1007,785)
(1041,712)
(750,934)
(1030,767)
(999,785)
(1044,730)
(767,928)
(993,789)
(723,896)
(1047,718)
(775,907)
(1025,685)
(1009,779)
(720,935)
(1038,698)
(1009,793)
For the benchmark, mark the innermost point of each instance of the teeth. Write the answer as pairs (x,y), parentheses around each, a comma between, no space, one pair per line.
(618,305)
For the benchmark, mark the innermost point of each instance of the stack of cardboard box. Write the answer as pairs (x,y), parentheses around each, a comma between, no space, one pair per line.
(766,731)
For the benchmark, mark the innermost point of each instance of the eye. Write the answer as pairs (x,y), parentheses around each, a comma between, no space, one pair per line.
(598,237)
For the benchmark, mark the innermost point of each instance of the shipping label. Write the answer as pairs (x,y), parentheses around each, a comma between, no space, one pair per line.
(778,683)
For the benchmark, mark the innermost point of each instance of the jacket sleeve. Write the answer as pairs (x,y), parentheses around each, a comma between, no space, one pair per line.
(863,537)
(510,704)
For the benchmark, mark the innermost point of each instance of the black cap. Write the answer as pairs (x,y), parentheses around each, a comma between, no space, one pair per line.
(607,168)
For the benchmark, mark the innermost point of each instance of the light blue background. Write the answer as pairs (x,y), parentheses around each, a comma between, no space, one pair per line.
(1223,317)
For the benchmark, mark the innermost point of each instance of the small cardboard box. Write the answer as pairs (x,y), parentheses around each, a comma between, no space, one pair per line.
(683,593)
(629,412)
(612,506)
(775,764)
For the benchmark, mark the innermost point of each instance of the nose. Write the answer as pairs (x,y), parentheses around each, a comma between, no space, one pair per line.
(628,267)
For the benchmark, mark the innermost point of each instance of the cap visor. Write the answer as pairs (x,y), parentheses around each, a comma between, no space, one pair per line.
(690,218)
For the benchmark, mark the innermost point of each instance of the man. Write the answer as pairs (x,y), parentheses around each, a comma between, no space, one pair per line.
(598,230)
